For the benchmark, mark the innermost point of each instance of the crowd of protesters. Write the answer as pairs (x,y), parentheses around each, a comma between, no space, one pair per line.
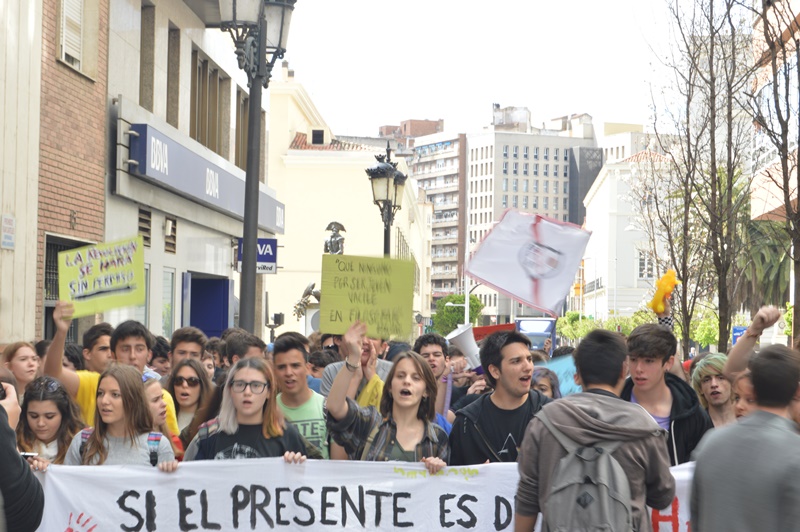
(127,397)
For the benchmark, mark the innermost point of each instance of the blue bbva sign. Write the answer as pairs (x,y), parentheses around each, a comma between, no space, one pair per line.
(267,261)
(160,159)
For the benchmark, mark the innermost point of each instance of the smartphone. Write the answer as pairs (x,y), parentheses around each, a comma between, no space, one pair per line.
(29,455)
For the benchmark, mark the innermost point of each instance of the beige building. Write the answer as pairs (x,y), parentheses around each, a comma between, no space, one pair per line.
(322,180)
(20,108)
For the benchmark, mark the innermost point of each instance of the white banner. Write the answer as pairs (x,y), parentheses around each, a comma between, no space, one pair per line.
(267,494)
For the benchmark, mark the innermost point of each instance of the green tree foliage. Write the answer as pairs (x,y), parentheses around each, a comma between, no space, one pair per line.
(447,318)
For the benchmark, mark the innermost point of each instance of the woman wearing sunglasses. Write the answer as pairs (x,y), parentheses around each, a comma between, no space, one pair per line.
(190,388)
(250,424)
(49,420)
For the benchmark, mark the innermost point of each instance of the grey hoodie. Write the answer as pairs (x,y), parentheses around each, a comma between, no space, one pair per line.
(588,418)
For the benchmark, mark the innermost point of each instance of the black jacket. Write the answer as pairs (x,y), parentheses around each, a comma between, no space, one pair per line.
(688,420)
(467,443)
(21,495)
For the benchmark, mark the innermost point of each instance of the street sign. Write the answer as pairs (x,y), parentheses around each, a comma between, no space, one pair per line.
(267,260)
(738,331)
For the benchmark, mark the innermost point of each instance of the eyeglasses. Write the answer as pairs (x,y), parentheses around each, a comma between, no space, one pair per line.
(255,386)
(191,382)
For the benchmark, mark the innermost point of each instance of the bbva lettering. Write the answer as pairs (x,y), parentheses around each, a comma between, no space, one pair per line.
(159,156)
(212,183)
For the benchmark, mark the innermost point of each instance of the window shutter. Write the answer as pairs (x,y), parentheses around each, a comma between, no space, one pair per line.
(72,31)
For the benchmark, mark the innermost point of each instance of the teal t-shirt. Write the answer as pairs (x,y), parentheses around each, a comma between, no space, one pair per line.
(309,420)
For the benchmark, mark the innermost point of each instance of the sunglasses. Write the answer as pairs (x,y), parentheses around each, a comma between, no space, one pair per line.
(191,382)
(44,384)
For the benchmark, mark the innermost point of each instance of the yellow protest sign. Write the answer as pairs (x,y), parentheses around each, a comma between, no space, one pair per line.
(102,276)
(376,291)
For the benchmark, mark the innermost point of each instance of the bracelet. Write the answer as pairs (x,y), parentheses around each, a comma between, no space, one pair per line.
(349,366)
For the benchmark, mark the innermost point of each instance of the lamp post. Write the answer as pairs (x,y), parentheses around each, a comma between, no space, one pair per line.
(260,29)
(387,192)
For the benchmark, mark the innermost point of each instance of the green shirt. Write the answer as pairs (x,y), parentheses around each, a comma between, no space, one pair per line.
(309,418)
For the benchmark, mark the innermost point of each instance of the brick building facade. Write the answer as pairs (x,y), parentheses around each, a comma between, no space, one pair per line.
(71,203)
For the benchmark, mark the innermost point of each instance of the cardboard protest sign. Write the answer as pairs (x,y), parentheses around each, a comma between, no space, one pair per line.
(376,291)
(103,276)
(266,494)
(530,258)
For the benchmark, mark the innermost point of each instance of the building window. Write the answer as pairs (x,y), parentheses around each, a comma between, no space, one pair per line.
(516,168)
(565,154)
(505,151)
(505,200)
(546,153)
(525,185)
(505,167)
(555,204)
(505,184)
(514,201)
(546,170)
(524,202)
(525,151)
(555,170)
(544,203)
(205,125)
(566,206)
(566,187)
(535,202)
(317,136)
(564,217)
(515,185)
(546,186)
(566,171)
(535,186)
(536,152)
(525,169)
(645,265)
(535,168)
(555,154)
(516,152)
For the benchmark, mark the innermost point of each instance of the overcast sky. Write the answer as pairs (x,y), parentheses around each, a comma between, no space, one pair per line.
(368,63)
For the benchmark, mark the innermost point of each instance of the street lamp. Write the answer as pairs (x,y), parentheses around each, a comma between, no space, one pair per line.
(387,191)
(465,305)
(260,29)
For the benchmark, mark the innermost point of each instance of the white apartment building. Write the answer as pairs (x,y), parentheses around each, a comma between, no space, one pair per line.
(618,266)
(438,168)
(532,171)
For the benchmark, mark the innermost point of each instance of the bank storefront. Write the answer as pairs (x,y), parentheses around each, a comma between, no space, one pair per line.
(187,202)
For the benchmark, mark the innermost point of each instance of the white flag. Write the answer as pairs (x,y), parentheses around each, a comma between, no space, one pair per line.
(530,258)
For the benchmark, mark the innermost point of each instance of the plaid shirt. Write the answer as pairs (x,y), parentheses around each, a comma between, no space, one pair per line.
(362,424)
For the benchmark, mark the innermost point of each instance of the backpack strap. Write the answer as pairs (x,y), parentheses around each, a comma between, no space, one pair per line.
(567,442)
(153,440)
(85,434)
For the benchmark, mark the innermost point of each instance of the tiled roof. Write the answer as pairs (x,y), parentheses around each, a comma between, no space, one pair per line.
(300,142)
(646,156)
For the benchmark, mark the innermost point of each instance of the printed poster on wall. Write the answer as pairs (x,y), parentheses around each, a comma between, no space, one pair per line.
(102,276)
(376,291)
